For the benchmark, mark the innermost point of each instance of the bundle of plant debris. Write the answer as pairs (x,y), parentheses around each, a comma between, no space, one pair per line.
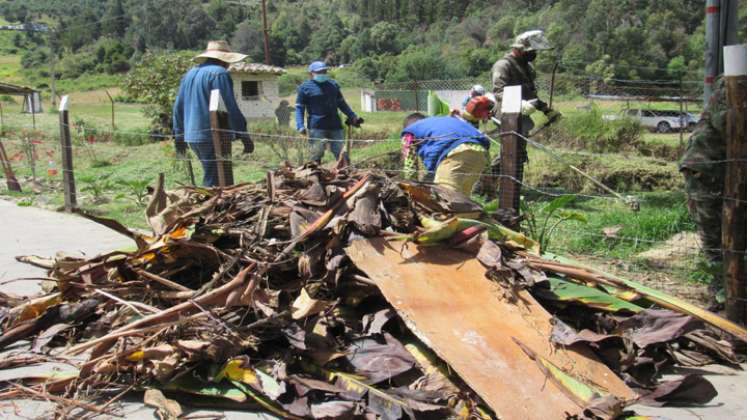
(247,294)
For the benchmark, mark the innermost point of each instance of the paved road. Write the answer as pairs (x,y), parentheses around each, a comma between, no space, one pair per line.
(27,231)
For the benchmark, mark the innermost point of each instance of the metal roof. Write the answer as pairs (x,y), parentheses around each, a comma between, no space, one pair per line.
(10,89)
(255,68)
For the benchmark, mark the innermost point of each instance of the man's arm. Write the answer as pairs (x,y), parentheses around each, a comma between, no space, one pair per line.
(500,78)
(236,120)
(177,119)
(344,107)
(300,110)
(409,157)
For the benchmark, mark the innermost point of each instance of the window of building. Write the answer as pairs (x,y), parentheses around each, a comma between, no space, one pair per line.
(250,90)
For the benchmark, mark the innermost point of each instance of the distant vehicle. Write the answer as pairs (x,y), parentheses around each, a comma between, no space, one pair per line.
(661,121)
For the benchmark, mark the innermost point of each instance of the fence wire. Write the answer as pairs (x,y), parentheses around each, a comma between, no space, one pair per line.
(38,156)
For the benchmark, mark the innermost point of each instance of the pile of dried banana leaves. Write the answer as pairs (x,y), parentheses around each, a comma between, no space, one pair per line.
(246,295)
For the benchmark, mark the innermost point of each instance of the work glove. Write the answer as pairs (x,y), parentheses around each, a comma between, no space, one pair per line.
(248,145)
(528,107)
(542,106)
(553,115)
(180,146)
(355,122)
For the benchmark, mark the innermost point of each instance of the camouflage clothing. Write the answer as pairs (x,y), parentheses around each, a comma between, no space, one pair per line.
(704,170)
(512,71)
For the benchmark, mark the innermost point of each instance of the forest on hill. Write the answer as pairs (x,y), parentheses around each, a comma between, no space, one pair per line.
(390,40)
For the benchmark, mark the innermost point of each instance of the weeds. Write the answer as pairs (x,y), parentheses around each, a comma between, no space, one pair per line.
(136,190)
(543,221)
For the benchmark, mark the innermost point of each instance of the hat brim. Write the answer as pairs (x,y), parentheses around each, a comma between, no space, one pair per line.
(226,57)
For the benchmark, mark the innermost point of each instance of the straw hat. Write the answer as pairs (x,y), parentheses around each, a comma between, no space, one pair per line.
(220,50)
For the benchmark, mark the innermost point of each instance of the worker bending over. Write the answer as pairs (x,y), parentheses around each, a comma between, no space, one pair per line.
(452,150)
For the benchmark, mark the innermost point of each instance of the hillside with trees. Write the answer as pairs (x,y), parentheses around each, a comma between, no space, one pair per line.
(387,40)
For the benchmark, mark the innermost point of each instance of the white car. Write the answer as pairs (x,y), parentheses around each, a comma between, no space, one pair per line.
(661,121)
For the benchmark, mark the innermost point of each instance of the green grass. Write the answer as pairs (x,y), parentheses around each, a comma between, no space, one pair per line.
(661,215)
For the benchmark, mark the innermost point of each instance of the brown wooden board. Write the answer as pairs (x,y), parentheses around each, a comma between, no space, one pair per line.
(445,298)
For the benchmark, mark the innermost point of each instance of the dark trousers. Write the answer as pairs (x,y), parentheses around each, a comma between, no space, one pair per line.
(206,153)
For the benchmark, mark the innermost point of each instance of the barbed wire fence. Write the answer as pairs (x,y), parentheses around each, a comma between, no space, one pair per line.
(36,157)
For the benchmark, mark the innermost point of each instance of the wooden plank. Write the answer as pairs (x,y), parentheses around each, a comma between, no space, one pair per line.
(448,303)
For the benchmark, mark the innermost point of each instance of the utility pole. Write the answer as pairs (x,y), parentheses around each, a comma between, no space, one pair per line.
(266,32)
(265,29)
(734,240)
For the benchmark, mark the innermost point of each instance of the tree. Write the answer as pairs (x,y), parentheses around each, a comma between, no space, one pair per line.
(115,20)
(154,81)
(248,40)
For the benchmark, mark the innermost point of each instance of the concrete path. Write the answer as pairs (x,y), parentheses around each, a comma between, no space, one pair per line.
(27,231)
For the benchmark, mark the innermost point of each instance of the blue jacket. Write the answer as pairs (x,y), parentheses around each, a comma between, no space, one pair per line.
(321,101)
(437,136)
(191,109)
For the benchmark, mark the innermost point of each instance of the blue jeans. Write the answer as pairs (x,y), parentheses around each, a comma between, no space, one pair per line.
(206,153)
(318,138)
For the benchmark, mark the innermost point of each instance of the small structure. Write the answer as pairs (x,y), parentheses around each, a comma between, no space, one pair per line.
(256,89)
(32,103)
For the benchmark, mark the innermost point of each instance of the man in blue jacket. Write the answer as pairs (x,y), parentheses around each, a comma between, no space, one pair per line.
(191,109)
(451,149)
(320,98)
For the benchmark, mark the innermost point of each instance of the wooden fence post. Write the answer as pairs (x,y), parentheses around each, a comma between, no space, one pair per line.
(66,146)
(734,239)
(10,177)
(221,138)
(513,151)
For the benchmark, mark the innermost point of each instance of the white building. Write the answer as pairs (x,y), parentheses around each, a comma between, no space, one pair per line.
(256,89)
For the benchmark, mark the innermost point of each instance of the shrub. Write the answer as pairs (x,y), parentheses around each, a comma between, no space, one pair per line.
(287,83)
(590,132)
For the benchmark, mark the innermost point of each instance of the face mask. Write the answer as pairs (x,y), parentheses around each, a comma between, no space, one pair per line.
(530,56)
(321,78)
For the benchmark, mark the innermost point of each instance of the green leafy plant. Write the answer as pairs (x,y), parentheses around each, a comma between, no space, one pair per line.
(135,190)
(543,221)
(98,185)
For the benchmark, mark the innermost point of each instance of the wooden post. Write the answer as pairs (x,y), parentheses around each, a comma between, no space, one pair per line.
(66,145)
(33,110)
(221,138)
(684,123)
(513,151)
(734,239)
(10,177)
(114,127)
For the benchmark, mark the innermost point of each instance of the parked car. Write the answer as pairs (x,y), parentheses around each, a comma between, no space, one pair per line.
(661,121)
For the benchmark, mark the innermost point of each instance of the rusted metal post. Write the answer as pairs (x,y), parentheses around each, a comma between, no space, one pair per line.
(221,139)
(513,152)
(734,240)
(66,145)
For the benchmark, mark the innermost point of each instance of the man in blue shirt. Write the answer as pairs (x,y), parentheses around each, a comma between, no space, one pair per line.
(191,109)
(320,98)
(453,152)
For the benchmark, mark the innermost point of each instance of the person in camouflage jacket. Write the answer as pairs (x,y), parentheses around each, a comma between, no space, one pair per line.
(704,168)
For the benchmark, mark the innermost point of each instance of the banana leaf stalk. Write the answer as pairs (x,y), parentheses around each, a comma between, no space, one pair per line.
(586,276)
